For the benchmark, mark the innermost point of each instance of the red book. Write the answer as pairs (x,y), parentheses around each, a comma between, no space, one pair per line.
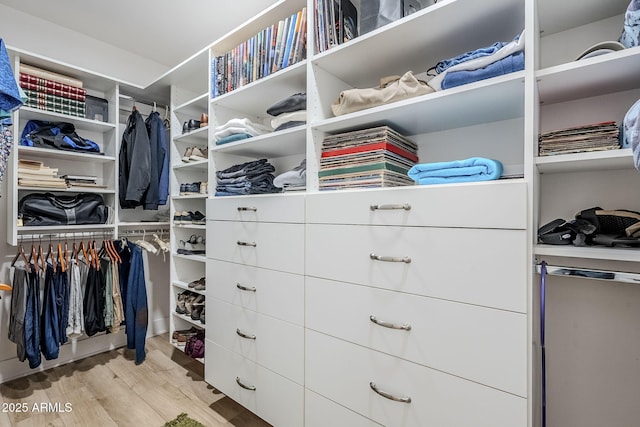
(371,147)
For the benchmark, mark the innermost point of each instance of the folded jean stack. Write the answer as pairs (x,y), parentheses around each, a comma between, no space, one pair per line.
(51,91)
(294,179)
(491,61)
(289,112)
(238,129)
(376,157)
(254,177)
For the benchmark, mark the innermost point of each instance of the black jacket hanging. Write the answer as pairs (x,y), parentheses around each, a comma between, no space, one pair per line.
(134,162)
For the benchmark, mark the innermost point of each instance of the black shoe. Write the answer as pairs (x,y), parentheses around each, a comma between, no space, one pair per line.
(193,124)
(185,127)
(197,217)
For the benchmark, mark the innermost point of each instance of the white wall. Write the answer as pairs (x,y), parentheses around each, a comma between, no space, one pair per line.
(35,35)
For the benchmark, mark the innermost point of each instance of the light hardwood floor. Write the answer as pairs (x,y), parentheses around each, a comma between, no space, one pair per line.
(109,389)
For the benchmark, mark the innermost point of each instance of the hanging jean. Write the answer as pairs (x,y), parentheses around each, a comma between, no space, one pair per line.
(123,269)
(18,309)
(6,144)
(106,267)
(136,312)
(75,318)
(50,335)
(93,303)
(61,282)
(32,320)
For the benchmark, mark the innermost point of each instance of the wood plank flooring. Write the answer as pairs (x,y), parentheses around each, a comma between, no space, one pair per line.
(109,389)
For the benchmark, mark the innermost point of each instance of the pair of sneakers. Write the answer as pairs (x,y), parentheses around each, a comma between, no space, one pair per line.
(196,245)
(199,285)
(188,217)
(194,154)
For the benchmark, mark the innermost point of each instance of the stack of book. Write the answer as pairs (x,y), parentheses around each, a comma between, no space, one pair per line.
(82,181)
(337,22)
(32,173)
(375,157)
(591,137)
(51,91)
(274,48)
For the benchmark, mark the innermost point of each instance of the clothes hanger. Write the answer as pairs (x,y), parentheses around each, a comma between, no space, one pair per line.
(33,257)
(61,258)
(114,251)
(50,256)
(20,253)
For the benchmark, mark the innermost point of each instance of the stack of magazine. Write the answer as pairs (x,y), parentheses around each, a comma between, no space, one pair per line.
(591,137)
(337,22)
(375,157)
(33,173)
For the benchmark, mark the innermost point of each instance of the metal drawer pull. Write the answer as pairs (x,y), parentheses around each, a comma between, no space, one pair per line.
(241,243)
(245,288)
(243,335)
(405,206)
(405,399)
(247,208)
(404,327)
(246,387)
(390,258)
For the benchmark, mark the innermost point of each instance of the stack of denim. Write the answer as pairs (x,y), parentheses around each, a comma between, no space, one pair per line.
(254,177)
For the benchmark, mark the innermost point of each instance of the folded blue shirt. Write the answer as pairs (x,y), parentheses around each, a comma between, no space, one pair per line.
(505,65)
(467,56)
(468,170)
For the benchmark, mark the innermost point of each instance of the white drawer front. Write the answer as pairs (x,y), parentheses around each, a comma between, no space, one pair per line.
(478,266)
(476,205)
(265,208)
(275,399)
(268,245)
(343,372)
(269,342)
(274,293)
(321,412)
(485,345)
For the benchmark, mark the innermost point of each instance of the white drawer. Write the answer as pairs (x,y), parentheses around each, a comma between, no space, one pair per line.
(478,266)
(264,208)
(267,341)
(274,293)
(321,412)
(484,345)
(268,245)
(343,372)
(275,399)
(494,204)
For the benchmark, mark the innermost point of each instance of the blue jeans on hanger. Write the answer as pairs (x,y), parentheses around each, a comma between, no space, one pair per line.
(136,315)
(50,323)
(32,320)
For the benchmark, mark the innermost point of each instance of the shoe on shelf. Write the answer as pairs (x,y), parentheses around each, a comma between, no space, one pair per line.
(186,218)
(177,218)
(193,188)
(197,310)
(197,217)
(194,283)
(183,188)
(204,188)
(198,154)
(187,154)
(181,300)
(202,316)
(192,249)
(192,302)
(185,127)
(202,286)
(204,120)
(193,124)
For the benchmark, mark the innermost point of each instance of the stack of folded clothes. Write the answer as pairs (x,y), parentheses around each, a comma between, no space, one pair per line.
(290,112)
(237,129)
(376,157)
(491,61)
(254,177)
(467,170)
(52,91)
(294,179)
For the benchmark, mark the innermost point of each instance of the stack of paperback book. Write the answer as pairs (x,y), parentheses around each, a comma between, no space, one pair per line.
(591,137)
(272,49)
(375,157)
(82,181)
(32,173)
(336,23)
(51,91)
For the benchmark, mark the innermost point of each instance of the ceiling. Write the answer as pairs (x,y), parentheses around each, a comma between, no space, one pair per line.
(164,31)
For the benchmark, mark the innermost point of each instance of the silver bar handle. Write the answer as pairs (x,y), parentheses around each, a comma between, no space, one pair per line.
(245,288)
(247,208)
(243,335)
(246,387)
(405,206)
(241,243)
(375,257)
(404,399)
(404,326)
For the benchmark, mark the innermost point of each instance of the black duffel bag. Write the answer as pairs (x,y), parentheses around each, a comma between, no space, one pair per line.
(50,209)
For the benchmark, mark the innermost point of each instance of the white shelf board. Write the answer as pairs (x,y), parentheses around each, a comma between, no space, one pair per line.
(599,160)
(200,134)
(185,286)
(45,153)
(198,258)
(457,107)
(555,16)
(418,41)
(68,190)
(276,144)
(592,252)
(29,113)
(199,164)
(189,319)
(191,226)
(190,196)
(613,72)
(256,97)
(144,224)
(199,102)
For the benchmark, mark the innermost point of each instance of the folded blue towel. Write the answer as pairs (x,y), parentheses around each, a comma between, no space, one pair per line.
(468,170)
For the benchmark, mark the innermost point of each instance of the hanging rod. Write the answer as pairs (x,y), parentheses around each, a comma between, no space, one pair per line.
(142,232)
(60,236)
(615,276)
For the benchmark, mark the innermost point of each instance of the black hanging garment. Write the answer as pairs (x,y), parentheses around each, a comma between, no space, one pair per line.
(134,162)
(93,303)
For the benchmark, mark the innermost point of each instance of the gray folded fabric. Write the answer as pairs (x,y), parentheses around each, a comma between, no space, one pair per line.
(295,102)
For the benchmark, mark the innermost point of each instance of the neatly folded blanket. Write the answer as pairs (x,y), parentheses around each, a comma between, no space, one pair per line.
(468,170)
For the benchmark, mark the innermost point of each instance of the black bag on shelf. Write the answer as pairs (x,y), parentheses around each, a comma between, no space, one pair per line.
(48,209)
